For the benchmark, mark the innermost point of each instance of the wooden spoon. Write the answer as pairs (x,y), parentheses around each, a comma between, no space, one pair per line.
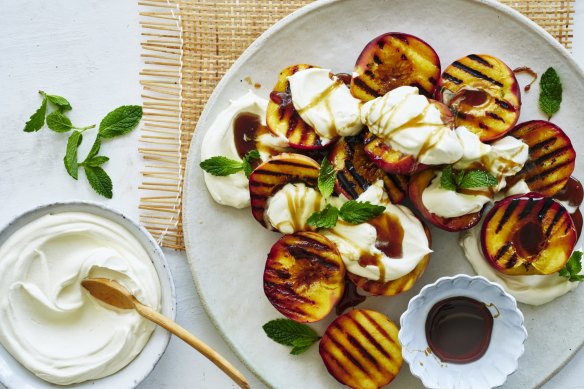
(114,294)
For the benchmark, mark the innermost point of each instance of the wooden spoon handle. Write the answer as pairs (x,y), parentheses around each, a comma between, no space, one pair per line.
(197,344)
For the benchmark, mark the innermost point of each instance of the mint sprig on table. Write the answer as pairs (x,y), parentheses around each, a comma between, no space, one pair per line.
(223,166)
(550,92)
(573,267)
(118,122)
(289,333)
(355,212)
(462,179)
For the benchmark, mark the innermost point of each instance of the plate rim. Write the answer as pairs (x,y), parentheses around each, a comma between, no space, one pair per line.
(250,51)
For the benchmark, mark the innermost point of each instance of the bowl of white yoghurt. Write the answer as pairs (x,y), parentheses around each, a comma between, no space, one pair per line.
(52,332)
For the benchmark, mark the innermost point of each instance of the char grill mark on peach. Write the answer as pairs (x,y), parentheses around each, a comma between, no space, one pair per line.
(507,215)
(476,73)
(362,351)
(555,220)
(480,60)
(551,157)
(449,77)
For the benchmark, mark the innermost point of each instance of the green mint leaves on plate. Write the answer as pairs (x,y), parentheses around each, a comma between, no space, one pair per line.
(289,333)
(223,166)
(353,211)
(118,122)
(451,180)
(550,92)
(326,179)
(573,267)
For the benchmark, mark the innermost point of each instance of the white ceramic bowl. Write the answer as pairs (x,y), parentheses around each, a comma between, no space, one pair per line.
(502,355)
(14,375)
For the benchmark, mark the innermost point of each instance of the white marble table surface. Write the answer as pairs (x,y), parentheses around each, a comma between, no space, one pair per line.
(89,51)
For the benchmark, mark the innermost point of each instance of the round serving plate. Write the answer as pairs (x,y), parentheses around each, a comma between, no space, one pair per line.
(227,248)
(15,376)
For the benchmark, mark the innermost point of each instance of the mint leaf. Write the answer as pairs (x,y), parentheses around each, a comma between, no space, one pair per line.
(99,180)
(573,267)
(58,122)
(58,101)
(70,159)
(477,179)
(447,179)
(94,149)
(246,164)
(357,212)
(221,166)
(326,179)
(37,119)
(290,333)
(96,161)
(550,92)
(327,218)
(120,121)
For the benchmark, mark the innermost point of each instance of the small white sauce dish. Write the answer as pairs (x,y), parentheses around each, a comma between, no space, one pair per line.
(502,355)
(14,375)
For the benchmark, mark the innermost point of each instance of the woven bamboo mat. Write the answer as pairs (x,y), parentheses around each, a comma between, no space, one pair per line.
(187,47)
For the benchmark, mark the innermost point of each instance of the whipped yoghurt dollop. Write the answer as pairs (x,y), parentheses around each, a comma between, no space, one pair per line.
(233,190)
(532,289)
(356,240)
(409,123)
(503,158)
(289,208)
(325,103)
(49,323)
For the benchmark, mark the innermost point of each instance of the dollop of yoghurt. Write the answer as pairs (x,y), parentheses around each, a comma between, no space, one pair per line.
(325,103)
(289,208)
(532,289)
(356,240)
(409,123)
(50,324)
(233,190)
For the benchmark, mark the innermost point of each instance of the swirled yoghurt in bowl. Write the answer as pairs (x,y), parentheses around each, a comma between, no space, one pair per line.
(48,322)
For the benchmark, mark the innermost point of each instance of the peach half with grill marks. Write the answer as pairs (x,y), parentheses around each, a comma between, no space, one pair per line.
(361,349)
(392,60)
(304,276)
(528,234)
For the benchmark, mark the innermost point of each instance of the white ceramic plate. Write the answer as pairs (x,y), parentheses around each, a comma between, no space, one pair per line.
(227,248)
(14,375)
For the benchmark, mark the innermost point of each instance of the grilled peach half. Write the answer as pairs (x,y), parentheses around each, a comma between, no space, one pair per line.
(394,287)
(394,161)
(551,157)
(304,276)
(272,175)
(418,183)
(483,93)
(528,234)
(356,172)
(392,60)
(283,119)
(361,349)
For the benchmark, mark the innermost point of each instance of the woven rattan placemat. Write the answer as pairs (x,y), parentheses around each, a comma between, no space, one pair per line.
(187,47)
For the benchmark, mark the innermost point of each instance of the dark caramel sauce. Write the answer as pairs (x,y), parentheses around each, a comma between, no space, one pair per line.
(528,239)
(345,77)
(458,329)
(390,235)
(573,193)
(350,297)
(245,128)
(528,70)
(471,97)
(577,219)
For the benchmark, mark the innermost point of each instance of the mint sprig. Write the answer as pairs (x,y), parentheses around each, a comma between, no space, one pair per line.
(223,166)
(573,267)
(550,92)
(118,122)
(290,333)
(353,211)
(326,178)
(466,179)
